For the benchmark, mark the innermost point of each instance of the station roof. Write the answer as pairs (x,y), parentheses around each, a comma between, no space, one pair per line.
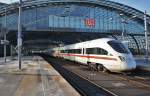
(3,4)
(106,3)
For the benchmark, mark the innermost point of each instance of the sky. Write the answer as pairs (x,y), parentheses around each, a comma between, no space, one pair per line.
(138,4)
(141,5)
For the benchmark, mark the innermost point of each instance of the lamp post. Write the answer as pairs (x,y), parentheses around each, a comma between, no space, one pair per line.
(124,22)
(146,37)
(5,33)
(19,40)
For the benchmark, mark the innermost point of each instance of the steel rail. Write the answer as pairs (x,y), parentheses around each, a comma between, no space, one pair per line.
(66,74)
(95,84)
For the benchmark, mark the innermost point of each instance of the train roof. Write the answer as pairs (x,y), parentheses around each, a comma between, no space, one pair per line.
(95,41)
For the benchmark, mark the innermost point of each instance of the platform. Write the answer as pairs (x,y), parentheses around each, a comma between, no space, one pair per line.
(2,60)
(36,78)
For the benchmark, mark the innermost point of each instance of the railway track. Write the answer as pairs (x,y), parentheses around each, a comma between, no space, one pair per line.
(144,82)
(84,87)
(115,84)
(142,87)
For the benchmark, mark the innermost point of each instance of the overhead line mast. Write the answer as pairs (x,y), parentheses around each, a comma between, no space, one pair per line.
(19,39)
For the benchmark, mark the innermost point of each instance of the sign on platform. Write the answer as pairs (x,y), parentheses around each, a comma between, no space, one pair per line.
(19,42)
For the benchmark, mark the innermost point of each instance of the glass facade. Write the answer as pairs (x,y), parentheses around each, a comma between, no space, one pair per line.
(71,16)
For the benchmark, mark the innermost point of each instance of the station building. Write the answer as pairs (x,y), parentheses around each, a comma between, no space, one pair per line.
(55,22)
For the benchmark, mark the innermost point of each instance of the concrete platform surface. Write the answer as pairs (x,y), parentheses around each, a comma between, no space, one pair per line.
(2,60)
(36,78)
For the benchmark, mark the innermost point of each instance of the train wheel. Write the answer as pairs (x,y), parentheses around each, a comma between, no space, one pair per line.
(99,67)
(89,66)
(104,69)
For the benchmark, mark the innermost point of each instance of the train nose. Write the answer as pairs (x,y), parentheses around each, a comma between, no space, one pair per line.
(129,63)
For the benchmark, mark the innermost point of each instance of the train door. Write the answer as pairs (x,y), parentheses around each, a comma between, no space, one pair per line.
(88,55)
(84,60)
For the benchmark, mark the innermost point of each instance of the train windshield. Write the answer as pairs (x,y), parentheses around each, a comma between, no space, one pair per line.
(118,46)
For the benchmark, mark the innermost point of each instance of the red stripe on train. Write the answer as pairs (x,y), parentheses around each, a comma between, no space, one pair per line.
(95,57)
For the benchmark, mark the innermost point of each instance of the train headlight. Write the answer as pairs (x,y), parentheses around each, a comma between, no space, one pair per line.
(122,58)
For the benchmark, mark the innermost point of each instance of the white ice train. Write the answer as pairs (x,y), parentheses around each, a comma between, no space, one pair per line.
(102,54)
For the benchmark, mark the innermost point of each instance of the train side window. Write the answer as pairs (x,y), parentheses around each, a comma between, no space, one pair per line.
(89,50)
(71,51)
(102,51)
(74,51)
(77,51)
(68,51)
(63,51)
(110,54)
(97,51)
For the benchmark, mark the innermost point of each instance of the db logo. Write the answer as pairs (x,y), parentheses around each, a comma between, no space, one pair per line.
(89,22)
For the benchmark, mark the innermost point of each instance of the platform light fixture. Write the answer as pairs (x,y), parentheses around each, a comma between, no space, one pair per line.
(124,22)
(5,46)
(146,36)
